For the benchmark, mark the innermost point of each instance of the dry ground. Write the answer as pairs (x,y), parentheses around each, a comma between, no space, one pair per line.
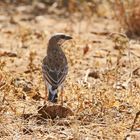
(102,88)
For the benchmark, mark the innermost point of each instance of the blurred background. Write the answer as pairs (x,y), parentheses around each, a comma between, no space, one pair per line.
(126,13)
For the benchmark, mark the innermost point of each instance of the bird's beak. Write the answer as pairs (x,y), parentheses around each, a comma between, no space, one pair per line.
(68,37)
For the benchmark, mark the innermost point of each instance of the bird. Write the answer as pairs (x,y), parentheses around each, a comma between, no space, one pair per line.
(55,66)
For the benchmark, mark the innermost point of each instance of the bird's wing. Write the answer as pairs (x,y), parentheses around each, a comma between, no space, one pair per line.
(54,76)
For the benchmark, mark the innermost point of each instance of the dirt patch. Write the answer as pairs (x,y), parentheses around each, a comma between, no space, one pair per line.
(102,88)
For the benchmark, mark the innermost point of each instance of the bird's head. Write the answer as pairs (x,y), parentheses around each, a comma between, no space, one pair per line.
(59,38)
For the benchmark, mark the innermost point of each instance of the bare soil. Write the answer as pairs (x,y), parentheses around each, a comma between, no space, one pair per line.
(102,89)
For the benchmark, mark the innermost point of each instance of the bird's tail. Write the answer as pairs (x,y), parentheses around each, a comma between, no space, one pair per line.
(52,94)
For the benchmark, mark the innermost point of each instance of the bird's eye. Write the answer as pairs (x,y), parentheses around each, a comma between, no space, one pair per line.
(63,36)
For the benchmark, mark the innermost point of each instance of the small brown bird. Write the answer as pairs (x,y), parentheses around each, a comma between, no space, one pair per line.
(55,66)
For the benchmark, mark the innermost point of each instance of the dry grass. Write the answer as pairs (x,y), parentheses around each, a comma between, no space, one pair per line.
(128,13)
(102,88)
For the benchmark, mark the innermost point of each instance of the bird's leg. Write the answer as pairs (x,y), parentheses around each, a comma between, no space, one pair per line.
(61,94)
(46,93)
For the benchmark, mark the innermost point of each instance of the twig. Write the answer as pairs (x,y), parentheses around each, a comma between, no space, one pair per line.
(135,119)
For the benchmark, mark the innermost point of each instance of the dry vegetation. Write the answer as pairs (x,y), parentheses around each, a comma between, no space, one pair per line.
(102,89)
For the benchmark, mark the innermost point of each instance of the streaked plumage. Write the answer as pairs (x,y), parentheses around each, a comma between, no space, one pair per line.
(55,67)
